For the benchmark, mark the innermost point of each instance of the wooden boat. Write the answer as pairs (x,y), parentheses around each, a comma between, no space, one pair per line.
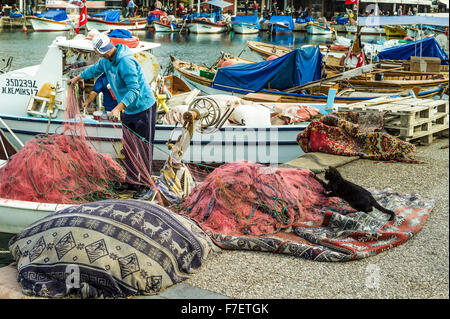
(204,25)
(395,31)
(192,73)
(266,49)
(102,25)
(318,29)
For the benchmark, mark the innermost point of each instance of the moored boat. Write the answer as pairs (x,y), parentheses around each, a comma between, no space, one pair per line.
(281,24)
(52,20)
(195,76)
(319,29)
(245,24)
(351,28)
(110,20)
(205,25)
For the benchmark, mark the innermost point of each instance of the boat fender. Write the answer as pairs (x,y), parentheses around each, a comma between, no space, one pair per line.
(164,20)
(272,57)
(408,39)
(129,42)
(228,62)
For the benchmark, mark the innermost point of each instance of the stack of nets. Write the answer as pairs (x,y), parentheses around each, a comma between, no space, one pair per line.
(243,198)
(60,168)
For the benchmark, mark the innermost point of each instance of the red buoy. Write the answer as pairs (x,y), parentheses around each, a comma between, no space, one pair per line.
(272,57)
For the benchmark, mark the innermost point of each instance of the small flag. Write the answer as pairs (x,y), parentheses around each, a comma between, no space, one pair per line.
(83,19)
(351,1)
(360,60)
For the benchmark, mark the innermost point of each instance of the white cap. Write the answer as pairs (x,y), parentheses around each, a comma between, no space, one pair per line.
(102,43)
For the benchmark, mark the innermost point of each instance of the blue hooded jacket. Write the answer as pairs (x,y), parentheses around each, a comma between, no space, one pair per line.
(126,78)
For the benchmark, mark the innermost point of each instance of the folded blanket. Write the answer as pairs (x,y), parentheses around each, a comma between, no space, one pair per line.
(354,134)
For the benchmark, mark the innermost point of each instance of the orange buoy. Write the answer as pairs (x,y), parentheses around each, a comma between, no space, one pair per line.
(219,65)
(272,57)
(25,29)
(408,38)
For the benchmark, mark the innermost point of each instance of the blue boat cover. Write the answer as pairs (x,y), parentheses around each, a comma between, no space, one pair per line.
(55,15)
(108,15)
(429,47)
(284,20)
(120,33)
(298,67)
(246,19)
(343,20)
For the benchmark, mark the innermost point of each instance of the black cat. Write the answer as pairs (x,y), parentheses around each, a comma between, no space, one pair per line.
(357,197)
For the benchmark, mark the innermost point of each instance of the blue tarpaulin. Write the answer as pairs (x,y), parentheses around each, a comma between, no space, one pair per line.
(343,20)
(295,68)
(246,19)
(287,20)
(120,33)
(427,47)
(108,15)
(55,15)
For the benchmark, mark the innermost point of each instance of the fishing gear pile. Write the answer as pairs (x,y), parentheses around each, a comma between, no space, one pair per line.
(60,168)
(244,198)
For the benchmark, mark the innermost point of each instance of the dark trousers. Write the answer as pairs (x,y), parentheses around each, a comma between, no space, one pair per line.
(139,154)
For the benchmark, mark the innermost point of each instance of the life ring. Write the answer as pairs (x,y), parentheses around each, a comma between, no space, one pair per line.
(129,42)
(164,20)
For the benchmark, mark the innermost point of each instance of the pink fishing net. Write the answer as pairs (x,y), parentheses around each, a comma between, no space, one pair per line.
(60,168)
(244,198)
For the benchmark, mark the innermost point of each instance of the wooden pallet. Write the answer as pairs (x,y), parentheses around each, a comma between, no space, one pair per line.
(415,120)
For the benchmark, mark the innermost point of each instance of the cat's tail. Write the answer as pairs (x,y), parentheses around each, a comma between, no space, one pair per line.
(384,210)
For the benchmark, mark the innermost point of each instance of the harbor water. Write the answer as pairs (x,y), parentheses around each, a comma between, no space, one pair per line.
(28,49)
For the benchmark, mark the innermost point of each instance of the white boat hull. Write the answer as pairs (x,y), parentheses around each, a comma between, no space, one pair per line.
(40,24)
(365,30)
(206,28)
(271,145)
(107,26)
(16,215)
(245,28)
(312,29)
(163,28)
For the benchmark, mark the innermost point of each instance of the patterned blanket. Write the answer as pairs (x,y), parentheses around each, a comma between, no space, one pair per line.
(246,206)
(354,134)
(111,248)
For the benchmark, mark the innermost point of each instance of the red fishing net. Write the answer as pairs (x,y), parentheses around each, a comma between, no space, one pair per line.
(60,168)
(244,198)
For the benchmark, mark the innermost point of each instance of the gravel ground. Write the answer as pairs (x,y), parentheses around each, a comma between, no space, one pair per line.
(417,269)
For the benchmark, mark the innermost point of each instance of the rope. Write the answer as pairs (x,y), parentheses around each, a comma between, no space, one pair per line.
(164,151)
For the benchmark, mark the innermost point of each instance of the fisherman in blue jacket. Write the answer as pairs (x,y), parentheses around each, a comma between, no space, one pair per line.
(133,93)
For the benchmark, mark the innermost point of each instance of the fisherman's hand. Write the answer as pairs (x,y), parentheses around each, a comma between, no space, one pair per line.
(74,80)
(115,113)
(86,104)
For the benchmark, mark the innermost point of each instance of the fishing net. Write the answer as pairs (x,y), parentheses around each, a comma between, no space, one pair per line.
(60,168)
(243,198)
